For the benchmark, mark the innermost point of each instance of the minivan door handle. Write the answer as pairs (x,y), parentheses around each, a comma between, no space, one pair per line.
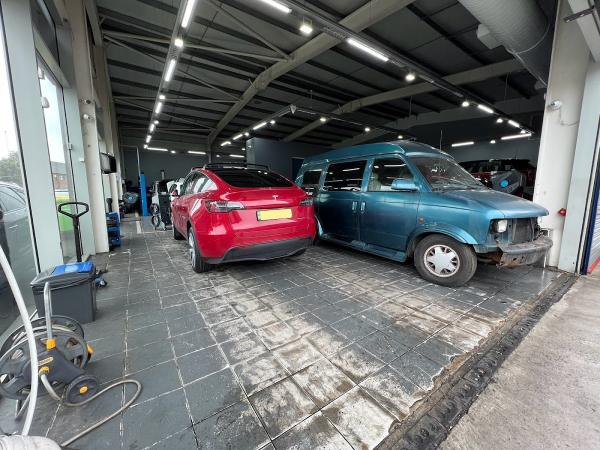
(362,207)
(354,205)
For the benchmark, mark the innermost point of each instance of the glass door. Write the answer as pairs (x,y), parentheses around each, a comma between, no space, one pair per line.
(60,158)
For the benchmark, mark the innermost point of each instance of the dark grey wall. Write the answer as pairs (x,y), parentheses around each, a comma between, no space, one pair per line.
(278,155)
(522,149)
(175,165)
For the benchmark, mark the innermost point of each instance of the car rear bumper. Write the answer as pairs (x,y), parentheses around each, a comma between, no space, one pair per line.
(525,253)
(264,251)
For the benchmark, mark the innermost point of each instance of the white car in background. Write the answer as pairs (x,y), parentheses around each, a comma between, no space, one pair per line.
(173,186)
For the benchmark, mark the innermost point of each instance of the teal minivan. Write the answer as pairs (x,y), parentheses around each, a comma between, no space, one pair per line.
(405,199)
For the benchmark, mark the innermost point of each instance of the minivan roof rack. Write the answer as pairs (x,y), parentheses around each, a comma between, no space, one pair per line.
(235,165)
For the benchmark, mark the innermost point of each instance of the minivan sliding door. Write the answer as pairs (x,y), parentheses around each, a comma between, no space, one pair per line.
(339,200)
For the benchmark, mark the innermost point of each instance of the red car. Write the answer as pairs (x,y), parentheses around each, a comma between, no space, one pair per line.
(241,212)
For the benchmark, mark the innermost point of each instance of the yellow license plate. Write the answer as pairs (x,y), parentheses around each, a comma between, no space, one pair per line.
(274,214)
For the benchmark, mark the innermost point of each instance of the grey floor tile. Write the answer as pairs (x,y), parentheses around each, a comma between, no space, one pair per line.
(356,362)
(230,330)
(323,382)
(260,372)
(327,341)
(243,348)
(438,350)
(185,324)
(156,381)
(147,356)
(277,334)
(179,311)
(108,346)
(200,363)
(147,423)
(353,328)
(362,422)
(183,440)
(236,427)
(261,318)
(214,393)
(107,369)
(282,405)
(316,432)
(306,323)
(147,335)
(462,339)
(297,355)
(382,346)
(406,334)
(418,369)
(192,341)
(220,314)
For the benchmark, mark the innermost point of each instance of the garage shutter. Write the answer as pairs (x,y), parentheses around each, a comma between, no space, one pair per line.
(593,242)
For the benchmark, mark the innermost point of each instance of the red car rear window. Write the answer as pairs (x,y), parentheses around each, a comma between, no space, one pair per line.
(251,178)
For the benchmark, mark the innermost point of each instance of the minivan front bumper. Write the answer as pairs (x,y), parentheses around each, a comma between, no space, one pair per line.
(522,254)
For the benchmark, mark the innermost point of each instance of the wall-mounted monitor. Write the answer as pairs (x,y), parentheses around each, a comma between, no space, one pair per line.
(108,163)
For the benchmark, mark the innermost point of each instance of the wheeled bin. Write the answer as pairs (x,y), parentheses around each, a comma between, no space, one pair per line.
(72,288)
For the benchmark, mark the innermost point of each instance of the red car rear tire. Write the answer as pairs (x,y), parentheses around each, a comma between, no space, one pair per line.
(198,263)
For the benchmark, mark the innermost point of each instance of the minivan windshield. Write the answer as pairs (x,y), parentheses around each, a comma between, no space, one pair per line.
(444,173)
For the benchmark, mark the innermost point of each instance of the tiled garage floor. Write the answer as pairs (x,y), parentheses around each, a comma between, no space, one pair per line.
(325,350)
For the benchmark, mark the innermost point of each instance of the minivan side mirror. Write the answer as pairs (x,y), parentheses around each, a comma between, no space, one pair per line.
(404,184)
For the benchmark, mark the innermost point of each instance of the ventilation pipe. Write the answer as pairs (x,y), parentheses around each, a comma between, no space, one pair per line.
(521,27)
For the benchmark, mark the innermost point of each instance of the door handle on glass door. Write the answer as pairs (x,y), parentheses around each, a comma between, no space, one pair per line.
(362,207)
(354,205)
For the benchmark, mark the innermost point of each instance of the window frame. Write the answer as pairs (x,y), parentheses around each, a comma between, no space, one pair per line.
(339,163)
(388,158)
(311,185)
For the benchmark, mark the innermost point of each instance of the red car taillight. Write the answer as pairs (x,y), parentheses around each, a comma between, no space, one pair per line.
(217,206)
(308,201)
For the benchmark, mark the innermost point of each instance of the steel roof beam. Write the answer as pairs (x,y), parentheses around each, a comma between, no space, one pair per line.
(360,19)
(461,78)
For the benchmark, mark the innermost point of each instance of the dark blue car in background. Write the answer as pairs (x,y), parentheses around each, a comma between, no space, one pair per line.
(404,199)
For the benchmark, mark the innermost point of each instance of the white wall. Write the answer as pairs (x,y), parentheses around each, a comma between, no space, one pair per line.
(521,149)
(175,165)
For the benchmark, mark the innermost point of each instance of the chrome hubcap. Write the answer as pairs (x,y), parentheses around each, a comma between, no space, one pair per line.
(441,261)
(192,247)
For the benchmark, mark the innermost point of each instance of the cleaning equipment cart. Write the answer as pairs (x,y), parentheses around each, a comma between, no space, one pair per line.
(113,228)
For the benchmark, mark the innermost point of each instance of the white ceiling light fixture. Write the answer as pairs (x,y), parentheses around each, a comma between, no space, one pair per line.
(513,123)
(272,122)
(237,136)
(462,144)
(158,149)
(194,152)
(367,129)
(236,156)
(410,77)
(187,13)
(145,145)
(162,97)
(278,6)
(148,139)
(156,122)
(158,108)
(323,119)
(523,131)
(173,151)
(465,104)
(170,70)
(485,108)
(224,144)
(259,126)
(400,136)
(515,136)
(306,27)
(493,141)
(499,120)
(246,134)
(365,48)
(152,127)
(178,43)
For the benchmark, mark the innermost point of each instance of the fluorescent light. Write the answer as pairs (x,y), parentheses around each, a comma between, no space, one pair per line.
(156,122)
(159,106)
(493,141)
(173,151)
(400,136)
(148,138)
(367,49)
(465,104)
(260,125)
(145,145)
(246,134)
(499,120)
(223,144)
(272,122)
(512,123)
(306,28)
(410,77)
(218,156)
(523,132)
(367,129)
(158,149)
(236,156)
(485,108)
(236,137)
(178,43)
(323,119)
(462,144)
(170,70)
(351,170)
(162,97)
(152,127)
(187,14)
(278,6)
(194,152)
(516,136)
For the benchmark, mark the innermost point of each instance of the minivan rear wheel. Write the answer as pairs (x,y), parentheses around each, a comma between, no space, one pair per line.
(445,261)
(198,263)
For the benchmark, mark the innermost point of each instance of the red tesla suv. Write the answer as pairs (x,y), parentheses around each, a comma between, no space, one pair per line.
(238,212)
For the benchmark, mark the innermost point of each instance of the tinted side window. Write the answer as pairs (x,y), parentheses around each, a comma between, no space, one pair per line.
(251,178)
(311,178)
(385,171)
(345,176)
(196,187)
(189,180)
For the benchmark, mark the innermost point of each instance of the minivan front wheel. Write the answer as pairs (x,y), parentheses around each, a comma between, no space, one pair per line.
(443,260)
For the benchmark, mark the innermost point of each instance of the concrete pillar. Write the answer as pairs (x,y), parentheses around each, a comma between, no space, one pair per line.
(87,109)
(570,59)
(16,16)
